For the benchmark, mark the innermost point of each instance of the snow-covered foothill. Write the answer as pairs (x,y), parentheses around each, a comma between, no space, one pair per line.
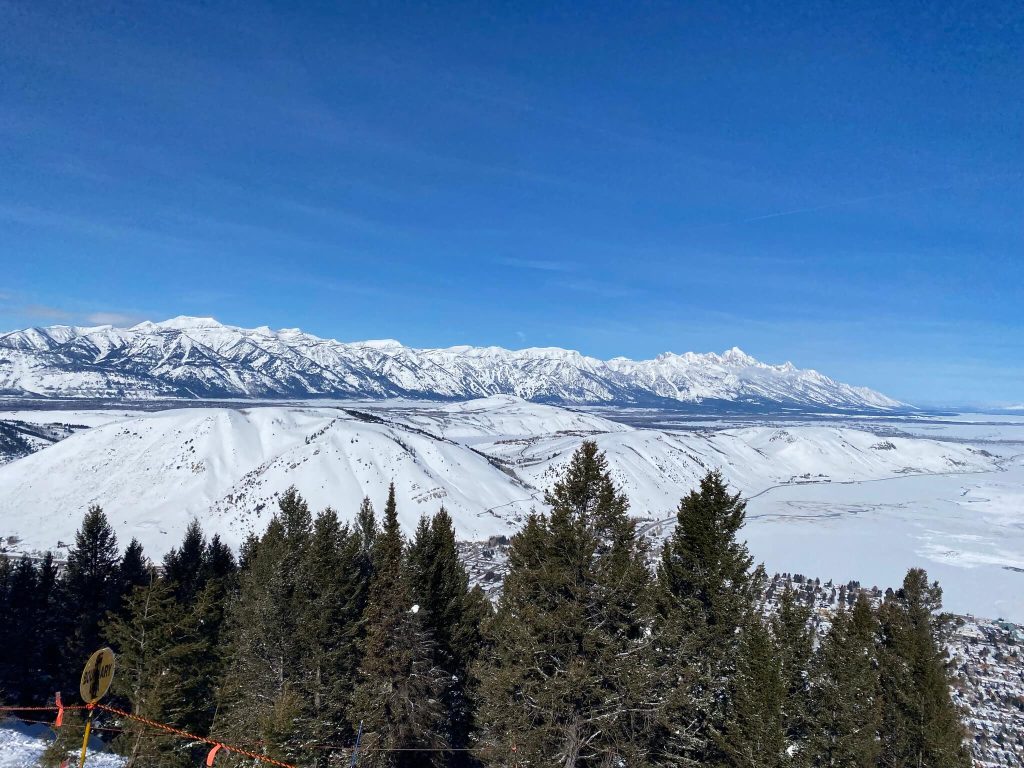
(844,503)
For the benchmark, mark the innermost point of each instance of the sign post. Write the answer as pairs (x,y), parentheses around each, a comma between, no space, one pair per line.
(96,678)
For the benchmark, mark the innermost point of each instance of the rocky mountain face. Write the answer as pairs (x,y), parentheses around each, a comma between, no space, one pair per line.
(199,358)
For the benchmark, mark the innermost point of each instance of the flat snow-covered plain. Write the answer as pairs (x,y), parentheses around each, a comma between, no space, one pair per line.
(835,498)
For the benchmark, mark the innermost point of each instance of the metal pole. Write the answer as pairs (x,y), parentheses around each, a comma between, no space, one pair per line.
(85,739)
(355,751)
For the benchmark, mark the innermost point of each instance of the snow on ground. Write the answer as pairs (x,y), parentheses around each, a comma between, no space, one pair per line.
(22,744)
(966,530)
(826,499)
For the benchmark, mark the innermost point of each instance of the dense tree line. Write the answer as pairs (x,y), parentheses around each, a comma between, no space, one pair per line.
(323,630)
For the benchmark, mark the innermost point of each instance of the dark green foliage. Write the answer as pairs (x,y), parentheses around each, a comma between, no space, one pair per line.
(66,744)
(588,662)
(19,646)
(295,632)
(845,697)
(753,733)
(451,614)
(259,696)
(161,654)
(183,566)
(706,592)
(134,570)
(92,587)
(219,562)
(920,724)
(398,696)
(46,627)
(793,635)
(329,630)
(564,679)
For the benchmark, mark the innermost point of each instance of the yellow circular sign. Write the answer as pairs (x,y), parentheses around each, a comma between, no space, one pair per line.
(97,676)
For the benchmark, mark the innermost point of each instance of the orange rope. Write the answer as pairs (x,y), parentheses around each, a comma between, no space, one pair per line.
(227,747)
(194,737)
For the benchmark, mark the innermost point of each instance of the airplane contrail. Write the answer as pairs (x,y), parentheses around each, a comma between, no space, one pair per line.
(880,196)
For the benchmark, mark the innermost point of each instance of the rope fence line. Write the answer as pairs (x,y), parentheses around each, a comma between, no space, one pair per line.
(39,709)
(71,726)
(215,745)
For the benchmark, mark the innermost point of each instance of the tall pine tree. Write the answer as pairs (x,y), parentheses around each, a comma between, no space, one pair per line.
(793,635)
(92,587)
(564,680)
(845,709)
(706,592)
(398,696)
(160,653)
(328,632)
(920,723)
(753,733)
(451,613)
(261,694)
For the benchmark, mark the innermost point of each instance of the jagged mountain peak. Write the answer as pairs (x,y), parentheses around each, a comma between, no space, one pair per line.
(180,323)
(199,357)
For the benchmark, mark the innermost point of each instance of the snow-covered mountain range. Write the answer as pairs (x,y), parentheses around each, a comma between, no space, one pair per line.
(197,358)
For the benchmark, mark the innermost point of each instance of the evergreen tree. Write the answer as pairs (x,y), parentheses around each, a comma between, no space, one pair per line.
(563,680)
(30,634)
(452,615)
(21,614)
(331,611)
(66,743)
(364,543)
(219,562)
(91,585)
(47,628)
(160,652)
(260,698)
(753,734)
(845,706)
(184,565)
(706,592)
(134,570)
(6,627)
(399,689)
(920,723)
(792,631)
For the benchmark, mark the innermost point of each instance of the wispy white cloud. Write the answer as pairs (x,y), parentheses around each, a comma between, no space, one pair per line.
(38,217)
(48,313)
(542,265)
(596,288)
(114,318)
(45,312)
(883,196)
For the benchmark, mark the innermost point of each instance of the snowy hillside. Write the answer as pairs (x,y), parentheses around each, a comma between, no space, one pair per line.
(200,358)
(21,438)
(487,461)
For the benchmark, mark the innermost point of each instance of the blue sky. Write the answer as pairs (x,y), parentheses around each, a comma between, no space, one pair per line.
(839,185)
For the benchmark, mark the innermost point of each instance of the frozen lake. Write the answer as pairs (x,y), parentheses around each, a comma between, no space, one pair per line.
(967,530)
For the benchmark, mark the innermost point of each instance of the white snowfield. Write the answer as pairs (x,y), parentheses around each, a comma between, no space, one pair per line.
(23,744)
(830,501)
(194,357)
